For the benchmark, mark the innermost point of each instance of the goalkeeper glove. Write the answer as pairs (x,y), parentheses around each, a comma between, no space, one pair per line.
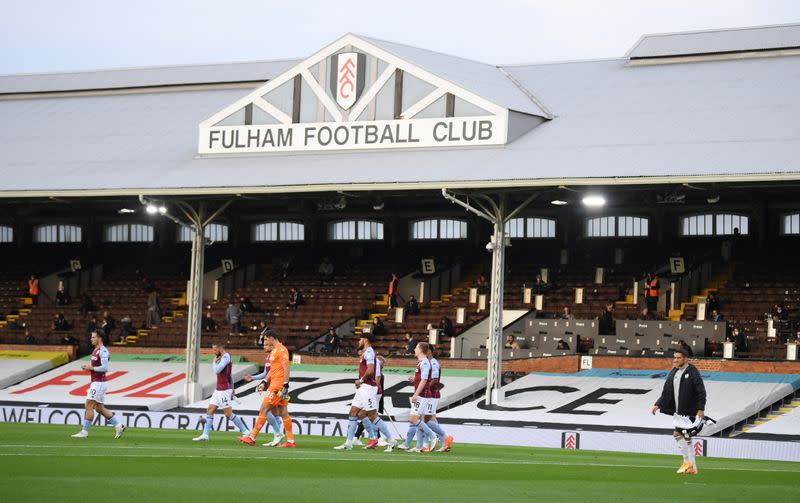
(283,394)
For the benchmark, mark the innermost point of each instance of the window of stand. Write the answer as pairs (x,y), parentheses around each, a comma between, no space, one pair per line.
(278,231)
(617,226)
(790,227)
(531,228)
(214,232)
(438,228)
(128,233)
(6,234)
(714,224)
(355,230)
(57,233)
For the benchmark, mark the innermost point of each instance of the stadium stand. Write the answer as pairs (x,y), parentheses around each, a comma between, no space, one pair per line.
(333,303)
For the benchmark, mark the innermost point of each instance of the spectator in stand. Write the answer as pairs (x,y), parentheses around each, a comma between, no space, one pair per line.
(446,327)
(779,313)
(254,327)
(33,289)
(29,338)
(540,286)
(153,309)
(378,328)
(264,329)
(685,348)
(69,340)
(606,325)
(111,320)
(91,326)
(394,284)
(651,292)
(233,317)
(715,316)
(647,315)
(295,299)
(246,305)
(412,306)
(712,303)
(286,268)
(86,304)
(208,323)
(60,322)
(108,323)
(482,285)
(411,343)
(325,270)
(332,341)
(562,345)
(126,327)
(566,314)
(739,339)
(511,342)
(62,296)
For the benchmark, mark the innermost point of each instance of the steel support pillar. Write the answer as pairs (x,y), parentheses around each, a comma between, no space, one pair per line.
(198,221)
(193,389)
(496,213)
(494,375)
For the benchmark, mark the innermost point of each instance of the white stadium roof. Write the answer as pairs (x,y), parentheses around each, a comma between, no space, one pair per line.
(135,131)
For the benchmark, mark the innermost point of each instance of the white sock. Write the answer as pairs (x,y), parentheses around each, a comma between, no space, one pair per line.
(690,449)
(684,447)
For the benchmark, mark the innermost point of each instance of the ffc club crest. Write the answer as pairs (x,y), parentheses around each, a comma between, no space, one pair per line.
(347,77)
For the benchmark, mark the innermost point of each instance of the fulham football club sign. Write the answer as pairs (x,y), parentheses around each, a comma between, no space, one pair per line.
(347,81)
(353,95)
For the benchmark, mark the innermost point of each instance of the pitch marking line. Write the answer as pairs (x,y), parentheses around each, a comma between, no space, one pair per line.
(393,460)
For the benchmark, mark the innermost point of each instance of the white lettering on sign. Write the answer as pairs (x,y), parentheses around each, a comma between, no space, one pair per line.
(415,133)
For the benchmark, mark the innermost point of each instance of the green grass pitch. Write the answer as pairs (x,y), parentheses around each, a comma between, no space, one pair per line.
(42,463)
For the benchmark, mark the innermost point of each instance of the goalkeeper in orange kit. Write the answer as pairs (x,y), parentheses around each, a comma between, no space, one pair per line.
(276,399)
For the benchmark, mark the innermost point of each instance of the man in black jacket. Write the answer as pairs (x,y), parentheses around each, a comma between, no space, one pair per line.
(683,396)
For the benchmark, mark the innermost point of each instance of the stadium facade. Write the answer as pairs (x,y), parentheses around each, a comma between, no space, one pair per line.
(686,118)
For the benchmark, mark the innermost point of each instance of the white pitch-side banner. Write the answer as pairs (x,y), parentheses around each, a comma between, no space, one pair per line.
(155,385)
(355,135)
(315,392)
(615,401)
(14,371)
(224,430)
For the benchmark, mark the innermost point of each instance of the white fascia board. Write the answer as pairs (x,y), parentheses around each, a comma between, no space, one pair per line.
(403,186)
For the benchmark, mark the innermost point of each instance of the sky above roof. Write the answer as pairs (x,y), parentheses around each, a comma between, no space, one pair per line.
(55,36)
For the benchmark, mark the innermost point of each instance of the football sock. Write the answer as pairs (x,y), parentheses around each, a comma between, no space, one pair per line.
(434,425)
(239,423)
(428,433)
(360,429)
(113,421)
(420,438)
(352,424)
(87,423)
(260,421)
(369,427)
(690,449)
(207,426)
(684,447)
(287,428)
(382,427)
(273,421)
(412,432)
